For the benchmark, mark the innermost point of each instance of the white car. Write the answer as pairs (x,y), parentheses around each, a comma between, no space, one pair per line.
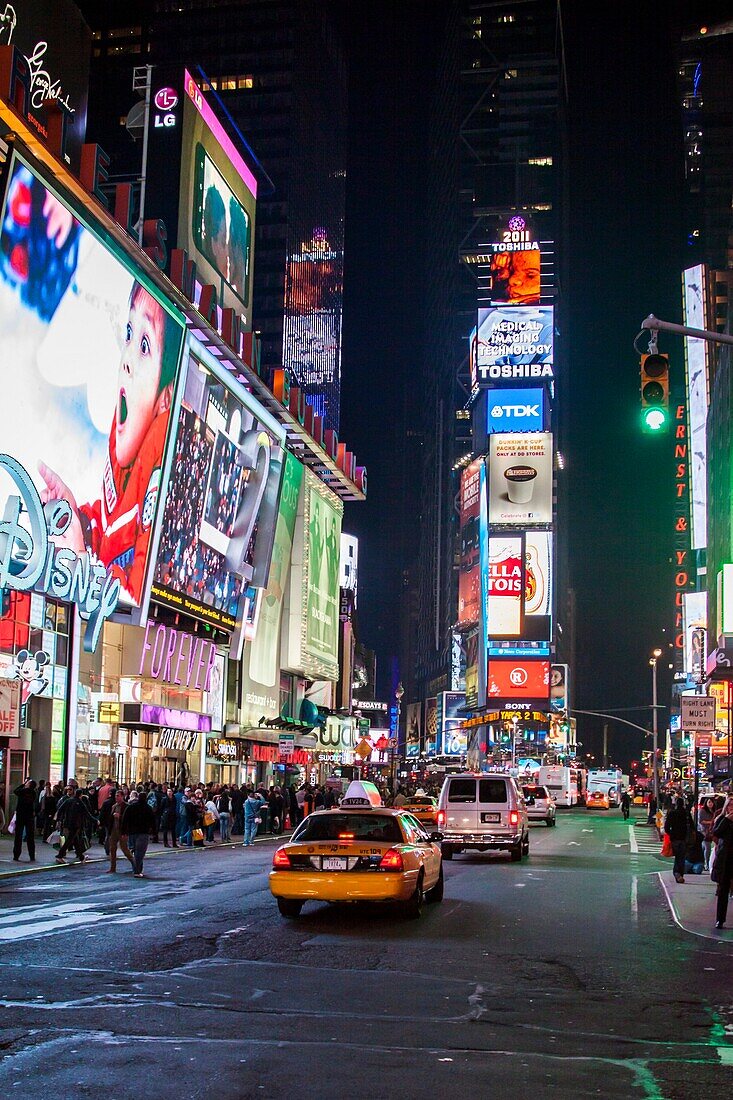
(540,803)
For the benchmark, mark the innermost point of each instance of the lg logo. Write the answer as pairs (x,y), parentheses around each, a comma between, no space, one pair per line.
(514,410)
(518,677)
(166,99)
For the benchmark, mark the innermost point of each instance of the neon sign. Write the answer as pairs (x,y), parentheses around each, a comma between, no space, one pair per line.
(30,560)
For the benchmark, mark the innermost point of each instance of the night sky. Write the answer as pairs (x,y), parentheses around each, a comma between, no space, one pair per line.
(624,254)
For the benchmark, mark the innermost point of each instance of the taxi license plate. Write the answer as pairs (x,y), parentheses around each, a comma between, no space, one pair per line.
(335,863)
(491,817)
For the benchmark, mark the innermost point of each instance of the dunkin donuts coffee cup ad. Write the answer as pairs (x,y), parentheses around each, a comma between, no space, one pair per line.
(520,478)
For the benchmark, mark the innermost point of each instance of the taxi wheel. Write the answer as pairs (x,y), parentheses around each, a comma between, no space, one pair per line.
(289,908)
(413,907)
(436,893)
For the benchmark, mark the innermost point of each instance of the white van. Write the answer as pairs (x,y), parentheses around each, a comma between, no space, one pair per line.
(483,812)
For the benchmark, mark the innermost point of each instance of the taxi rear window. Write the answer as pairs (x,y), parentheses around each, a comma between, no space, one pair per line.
(371,827)
(421,802)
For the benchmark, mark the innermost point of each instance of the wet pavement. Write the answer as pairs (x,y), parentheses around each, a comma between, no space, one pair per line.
(566,972)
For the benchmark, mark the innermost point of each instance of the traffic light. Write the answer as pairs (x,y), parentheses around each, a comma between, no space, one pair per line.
(654,392)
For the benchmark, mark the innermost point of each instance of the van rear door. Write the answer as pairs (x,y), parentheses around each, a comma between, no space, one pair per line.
(493,804)
(461,808)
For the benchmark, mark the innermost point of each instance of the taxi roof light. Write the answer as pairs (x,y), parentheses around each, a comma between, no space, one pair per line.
(346,836)
(392,861)
(361,793)
(280,859)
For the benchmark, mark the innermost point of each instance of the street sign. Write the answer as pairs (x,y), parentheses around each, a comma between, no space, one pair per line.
(698,712)
(286,744)
(703,740)
(363,749)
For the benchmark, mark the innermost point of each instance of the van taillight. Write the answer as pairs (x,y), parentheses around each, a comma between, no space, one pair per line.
(441,817)
(280,859)
(391,861)
(513,817)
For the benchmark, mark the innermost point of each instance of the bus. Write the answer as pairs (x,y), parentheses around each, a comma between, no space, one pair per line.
(610,781)
(561,783)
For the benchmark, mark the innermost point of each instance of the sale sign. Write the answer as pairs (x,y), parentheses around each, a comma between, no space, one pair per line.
(9,708)
(505,586)
(518,679)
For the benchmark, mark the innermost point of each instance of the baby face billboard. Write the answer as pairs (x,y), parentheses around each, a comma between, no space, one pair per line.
(91,355)
(323,530)
(221,505)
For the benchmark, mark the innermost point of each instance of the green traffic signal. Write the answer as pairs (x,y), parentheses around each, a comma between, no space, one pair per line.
(654,392)
(654,419)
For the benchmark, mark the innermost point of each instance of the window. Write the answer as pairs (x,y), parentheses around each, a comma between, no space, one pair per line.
(414,831)
(245,82)
(462,790)
(124,32)
(369,826)
(543,162)
(229,84)
(492,790)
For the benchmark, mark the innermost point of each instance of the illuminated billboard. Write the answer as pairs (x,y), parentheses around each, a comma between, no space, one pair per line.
(469,576)
(538,586)
(222,500)
(697,378)
(431,725)
(413,729)
(451,739)
(515,410)
(520,478)
(91,353)
(514,343)
(505,586)
(200,185)
(518,679)
(515,277)
(312,322)
(694,624)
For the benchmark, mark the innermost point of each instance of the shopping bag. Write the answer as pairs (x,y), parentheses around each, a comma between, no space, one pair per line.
(11,826)
(54,837)
(667,846)
(209,818)
(197,834)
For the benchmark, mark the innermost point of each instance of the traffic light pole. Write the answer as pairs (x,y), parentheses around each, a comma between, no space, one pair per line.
(653,324)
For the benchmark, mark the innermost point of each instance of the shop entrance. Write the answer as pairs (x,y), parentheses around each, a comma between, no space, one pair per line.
(13,771)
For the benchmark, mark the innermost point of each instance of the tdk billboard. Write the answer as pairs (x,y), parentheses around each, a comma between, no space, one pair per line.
(521,410)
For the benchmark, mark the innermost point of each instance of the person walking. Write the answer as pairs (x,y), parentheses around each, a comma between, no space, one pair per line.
(705,822)
(224,805)
(276,806)
(293,806)
(155,799)
(723,866)
(677,825)
(136,824)
(25,820)
(237,810)
(48,804)
(72,817)
(211,816)
(625,805)
(169,818)
(252,809)
(112,812)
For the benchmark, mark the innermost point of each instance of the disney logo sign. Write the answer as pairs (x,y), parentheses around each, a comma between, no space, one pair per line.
(30,560)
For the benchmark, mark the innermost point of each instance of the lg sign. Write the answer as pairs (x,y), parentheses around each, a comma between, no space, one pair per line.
(166,99)
(515,410)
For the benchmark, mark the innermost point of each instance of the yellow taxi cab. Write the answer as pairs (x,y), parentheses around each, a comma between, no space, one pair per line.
(423,807)
(597,800)
(361,851)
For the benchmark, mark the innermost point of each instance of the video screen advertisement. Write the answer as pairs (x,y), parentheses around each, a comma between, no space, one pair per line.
(91,351)
(519,680)
(538,577)
(222,500)
(469,577)
(514,343)
(413,729)
(452,740)
(697,371)
(505,586)
(57,44)
(520,478)
(211,213)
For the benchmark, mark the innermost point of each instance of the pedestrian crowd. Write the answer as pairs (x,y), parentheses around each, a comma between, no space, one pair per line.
(700,837)
(129,818)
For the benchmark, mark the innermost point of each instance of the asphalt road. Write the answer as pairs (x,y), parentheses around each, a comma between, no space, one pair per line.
(564,972)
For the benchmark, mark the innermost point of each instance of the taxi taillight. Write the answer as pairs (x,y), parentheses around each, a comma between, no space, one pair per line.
(391,861)
(441,817)
(280,859)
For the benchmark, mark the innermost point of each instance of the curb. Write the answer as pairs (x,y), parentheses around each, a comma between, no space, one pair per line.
(149,855)
(720,937)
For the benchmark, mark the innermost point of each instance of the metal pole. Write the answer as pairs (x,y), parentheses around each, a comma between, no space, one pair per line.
(653,324)
(144,168)
(655,730)
(605,744)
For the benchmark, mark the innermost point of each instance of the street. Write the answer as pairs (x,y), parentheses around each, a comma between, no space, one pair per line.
(564,972)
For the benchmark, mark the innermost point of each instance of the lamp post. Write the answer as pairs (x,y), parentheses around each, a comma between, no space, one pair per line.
(399,692)
(656,654)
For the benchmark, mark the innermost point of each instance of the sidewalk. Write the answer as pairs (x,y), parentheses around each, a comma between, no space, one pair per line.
(692,904)
(46,854)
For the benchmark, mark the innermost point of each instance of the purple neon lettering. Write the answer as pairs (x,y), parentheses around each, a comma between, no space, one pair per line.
(195,646)
(159,636)
(169,653)
(146,647)
(199,666)
(210,667)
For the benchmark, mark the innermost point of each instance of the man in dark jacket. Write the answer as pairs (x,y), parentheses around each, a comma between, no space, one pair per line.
(137,823)
(25,820)
(237,800)
(723,866)
(72,817)
(677,825)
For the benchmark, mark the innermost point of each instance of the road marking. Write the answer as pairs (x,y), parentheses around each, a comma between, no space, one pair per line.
(633,844)
(588,830)
(573,844)
(635,899)
(35,921)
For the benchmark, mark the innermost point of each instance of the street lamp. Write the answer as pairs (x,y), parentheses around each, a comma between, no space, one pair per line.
(656,654)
